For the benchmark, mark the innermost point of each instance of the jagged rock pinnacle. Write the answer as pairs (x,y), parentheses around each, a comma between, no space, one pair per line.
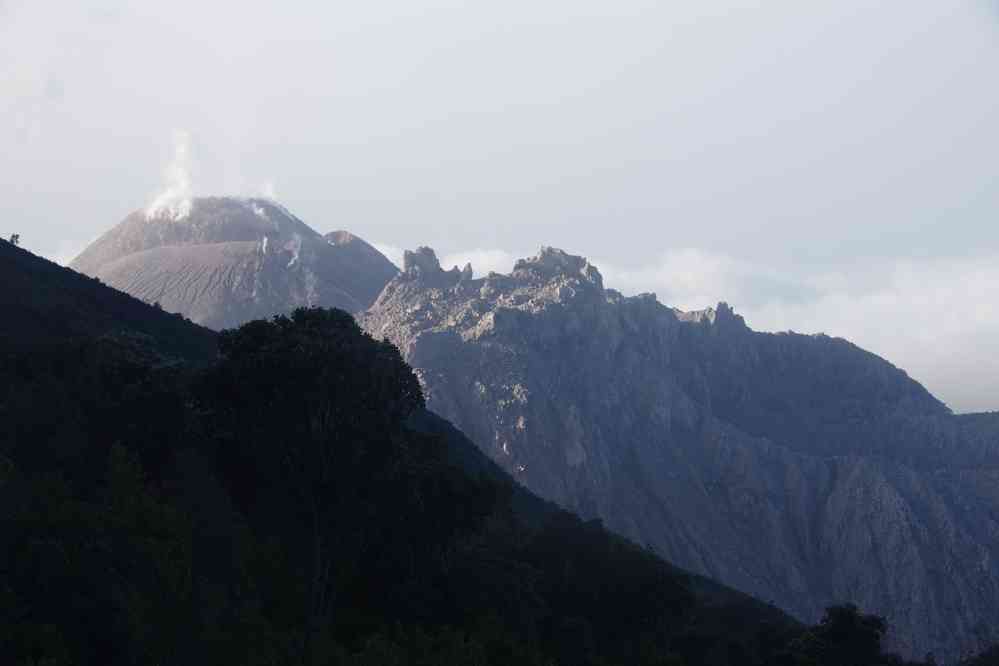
(421,261)
(551,262)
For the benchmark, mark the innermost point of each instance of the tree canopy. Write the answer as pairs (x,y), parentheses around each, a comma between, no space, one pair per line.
(277,506)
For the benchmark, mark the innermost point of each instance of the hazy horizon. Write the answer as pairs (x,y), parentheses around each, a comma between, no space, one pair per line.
(823,168)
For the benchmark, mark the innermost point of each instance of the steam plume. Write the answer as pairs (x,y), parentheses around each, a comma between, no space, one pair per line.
(174,202)
(267,191)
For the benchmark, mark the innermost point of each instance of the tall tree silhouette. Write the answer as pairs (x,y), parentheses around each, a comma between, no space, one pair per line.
(334,401)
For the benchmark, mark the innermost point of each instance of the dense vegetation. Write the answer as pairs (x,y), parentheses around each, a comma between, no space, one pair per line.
(291,502)
(275,508)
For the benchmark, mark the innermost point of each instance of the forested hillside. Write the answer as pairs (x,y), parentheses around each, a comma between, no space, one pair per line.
(292,503)
(45,304)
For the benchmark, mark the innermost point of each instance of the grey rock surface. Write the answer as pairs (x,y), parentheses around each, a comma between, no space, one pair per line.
(800,469)
(226,261)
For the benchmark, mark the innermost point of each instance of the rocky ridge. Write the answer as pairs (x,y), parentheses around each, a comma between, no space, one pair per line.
(800,469)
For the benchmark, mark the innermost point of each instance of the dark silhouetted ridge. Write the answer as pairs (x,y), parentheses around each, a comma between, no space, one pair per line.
(45,304)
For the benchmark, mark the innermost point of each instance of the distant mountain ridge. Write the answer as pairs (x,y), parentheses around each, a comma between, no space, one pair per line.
(224,260)
(800,469)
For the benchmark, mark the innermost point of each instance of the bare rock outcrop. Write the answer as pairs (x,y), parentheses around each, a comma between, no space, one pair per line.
(800,469)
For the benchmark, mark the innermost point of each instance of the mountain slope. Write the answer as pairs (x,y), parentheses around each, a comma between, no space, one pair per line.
(799,469)
(357,264)
(292,503)
(225,261)
(44,304)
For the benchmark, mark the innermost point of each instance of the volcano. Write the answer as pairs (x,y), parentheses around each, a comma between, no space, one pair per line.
(222,261)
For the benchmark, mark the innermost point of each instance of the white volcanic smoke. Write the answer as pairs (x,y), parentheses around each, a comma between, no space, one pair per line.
(267,191)
(174,202)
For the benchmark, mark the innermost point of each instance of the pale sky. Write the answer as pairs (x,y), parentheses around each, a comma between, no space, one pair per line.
(822,166)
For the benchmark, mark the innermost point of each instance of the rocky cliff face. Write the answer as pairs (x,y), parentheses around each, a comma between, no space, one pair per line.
(800,469)
(222,261)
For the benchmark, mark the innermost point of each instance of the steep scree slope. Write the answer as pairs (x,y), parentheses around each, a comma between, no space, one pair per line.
(227,261)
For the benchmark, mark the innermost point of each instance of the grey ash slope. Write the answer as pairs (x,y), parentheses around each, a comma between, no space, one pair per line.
(231,260)
(800,469)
